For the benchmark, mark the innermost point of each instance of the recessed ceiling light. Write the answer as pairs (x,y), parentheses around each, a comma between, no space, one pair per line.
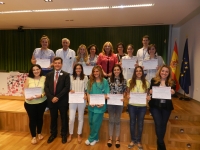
(1,3)
(48,0)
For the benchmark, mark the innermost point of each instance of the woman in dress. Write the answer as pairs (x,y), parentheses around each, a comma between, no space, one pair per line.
(78,84)
(43,53)
(117,85)
(35,105)
(137,84)
(107,59)
(96,85)
(161,108)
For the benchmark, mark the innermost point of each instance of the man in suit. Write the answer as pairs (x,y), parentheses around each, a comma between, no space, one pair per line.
(57,86)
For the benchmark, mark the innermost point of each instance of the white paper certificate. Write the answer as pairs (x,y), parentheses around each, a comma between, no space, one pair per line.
(161,92)
(44,63)
(129,63)
(76,97)
(115,99)
(87,70)
(150,64)
(30,92)
(138,98)
(97,99)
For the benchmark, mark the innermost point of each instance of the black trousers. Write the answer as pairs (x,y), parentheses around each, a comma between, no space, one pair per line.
(35,113)
(64,119)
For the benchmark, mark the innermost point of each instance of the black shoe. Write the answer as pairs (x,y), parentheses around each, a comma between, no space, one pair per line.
(109,143)
(118,144)
(51,138)
(64,139)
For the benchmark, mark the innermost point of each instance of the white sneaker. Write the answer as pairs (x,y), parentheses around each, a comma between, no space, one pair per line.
(87,142)
(94,142)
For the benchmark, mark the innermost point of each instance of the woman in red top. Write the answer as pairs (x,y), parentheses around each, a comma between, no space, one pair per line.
(107,59)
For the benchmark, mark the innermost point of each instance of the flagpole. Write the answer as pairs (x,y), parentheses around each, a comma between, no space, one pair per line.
(184,98)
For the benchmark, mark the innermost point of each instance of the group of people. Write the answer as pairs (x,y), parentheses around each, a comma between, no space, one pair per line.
(107,77)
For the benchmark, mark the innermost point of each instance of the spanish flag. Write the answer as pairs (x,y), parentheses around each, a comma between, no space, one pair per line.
(175,67)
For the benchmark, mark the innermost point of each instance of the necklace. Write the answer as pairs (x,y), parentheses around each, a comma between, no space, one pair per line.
(37,83)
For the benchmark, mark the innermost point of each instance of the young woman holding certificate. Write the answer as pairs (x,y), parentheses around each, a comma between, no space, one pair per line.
(96,85)
(43,54)
(36,104)
(128,72)
(117,85)
(161,108)
(137,89)
(153,56)
(78,84)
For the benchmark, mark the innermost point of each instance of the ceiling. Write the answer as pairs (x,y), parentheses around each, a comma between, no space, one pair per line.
(174,12)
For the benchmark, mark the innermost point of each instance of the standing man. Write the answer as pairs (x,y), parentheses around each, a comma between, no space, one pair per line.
(57,86)
(142,53)
(68,56)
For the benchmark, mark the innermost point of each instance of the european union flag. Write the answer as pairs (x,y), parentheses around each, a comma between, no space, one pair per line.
(184,78)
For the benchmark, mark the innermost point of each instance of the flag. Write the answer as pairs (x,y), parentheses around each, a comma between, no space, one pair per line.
(184,78)
(175,66)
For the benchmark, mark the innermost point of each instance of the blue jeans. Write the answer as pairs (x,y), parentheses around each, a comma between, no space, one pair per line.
(160,117)
(136,114)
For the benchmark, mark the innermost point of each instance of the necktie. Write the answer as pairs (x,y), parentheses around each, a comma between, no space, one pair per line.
(55,82)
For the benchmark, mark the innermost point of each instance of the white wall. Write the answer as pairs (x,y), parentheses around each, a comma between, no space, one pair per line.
(190,29)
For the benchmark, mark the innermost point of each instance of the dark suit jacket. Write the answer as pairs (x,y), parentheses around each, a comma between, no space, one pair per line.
(156,102)
(62,89)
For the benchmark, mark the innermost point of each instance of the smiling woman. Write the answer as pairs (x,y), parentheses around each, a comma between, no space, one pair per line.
(37,103)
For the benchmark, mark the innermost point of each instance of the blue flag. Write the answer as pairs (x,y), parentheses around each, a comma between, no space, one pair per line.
(184,78)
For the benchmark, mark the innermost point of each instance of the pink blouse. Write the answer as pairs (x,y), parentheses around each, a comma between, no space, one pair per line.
(105,61)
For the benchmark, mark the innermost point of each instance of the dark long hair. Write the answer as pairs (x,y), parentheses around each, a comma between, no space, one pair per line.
(74,72)
(30,74)
(134,77)
(112,78)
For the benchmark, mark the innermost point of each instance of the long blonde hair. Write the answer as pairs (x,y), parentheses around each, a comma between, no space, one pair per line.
(92,77)
(78,57)
(168,81)
(111,48)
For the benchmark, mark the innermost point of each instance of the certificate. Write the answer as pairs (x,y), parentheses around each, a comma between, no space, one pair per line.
(76,97)
(161,92)
(129,63)
(30,92)
(115,99)
(138,98)
(150,64)
(97,99)
(87,70)
(44,63)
